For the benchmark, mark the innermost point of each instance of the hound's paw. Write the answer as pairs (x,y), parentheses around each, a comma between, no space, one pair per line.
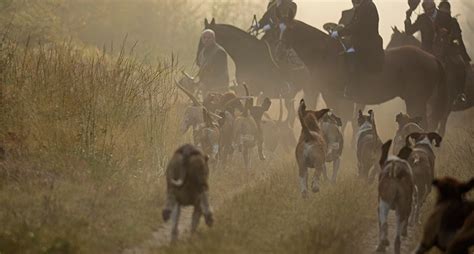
(315,187)
(209,218)
(166,214)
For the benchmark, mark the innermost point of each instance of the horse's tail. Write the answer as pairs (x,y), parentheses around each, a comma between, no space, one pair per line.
(441,104)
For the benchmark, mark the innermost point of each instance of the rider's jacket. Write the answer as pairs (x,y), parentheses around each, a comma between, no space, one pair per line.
(269,19)
(425,24)
(364,32)
(213,72)
(448,39)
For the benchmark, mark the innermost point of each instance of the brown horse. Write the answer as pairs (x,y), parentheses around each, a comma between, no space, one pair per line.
(256,66)
(400,38)
(409,73)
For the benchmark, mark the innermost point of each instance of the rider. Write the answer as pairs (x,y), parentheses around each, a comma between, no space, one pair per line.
(450,24)
(367,55)
(269,19)
(424,23)
(346,18)
(212,62)
(449,47)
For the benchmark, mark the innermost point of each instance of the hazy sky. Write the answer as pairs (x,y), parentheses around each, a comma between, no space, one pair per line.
(392,12)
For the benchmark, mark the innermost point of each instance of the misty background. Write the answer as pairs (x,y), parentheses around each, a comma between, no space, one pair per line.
(161,27)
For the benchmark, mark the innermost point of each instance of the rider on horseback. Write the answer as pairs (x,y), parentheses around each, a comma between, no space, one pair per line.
(449,47)
(212,62)
(424,23)
(448,25)
(367,55)
(269,20)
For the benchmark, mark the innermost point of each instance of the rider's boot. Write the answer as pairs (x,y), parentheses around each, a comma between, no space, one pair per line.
(352,76)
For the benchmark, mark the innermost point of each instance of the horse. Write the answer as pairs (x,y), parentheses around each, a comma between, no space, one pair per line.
(256,66)
(409,73)
(400,38)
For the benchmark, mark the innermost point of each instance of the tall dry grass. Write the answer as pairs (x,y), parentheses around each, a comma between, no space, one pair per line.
(87,135)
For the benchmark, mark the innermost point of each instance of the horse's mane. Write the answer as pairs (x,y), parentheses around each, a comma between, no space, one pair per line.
(321,45)
(315,32)
(238,31)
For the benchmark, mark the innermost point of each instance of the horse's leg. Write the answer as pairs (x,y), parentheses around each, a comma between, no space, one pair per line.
(383,209)
(418,108)
(290,108)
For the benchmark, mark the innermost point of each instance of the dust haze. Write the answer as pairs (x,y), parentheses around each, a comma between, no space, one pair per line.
(90,115)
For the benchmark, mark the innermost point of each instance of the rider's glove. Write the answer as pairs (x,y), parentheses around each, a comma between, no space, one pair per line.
(334,34)
(266,27)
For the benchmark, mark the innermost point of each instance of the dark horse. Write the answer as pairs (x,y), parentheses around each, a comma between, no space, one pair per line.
(409,73)
(256,66)
(400,38)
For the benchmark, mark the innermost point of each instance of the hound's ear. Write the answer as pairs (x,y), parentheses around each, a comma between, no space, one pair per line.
(206,23)
(385,149)
(436,183)
(436,137)
(206,158)
(395,30)
(319,114)
(414,135)
(405,153)
(466,187)
(372,116)
(360,113)
(302,105)
(213,22)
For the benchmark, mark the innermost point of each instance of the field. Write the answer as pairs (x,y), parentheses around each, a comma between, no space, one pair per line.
(89,118)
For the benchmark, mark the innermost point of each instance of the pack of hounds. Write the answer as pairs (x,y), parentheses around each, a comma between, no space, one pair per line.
(224,122)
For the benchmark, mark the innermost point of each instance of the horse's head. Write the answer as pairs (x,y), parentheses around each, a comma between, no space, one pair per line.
(400,38)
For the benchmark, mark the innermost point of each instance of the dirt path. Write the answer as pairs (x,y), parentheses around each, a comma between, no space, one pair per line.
(162,236)
(371,238)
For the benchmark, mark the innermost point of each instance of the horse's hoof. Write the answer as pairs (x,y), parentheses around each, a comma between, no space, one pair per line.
(385,243)
(166,214)
(315,188)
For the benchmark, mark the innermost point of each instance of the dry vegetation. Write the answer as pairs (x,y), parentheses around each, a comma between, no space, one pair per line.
(87,133)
